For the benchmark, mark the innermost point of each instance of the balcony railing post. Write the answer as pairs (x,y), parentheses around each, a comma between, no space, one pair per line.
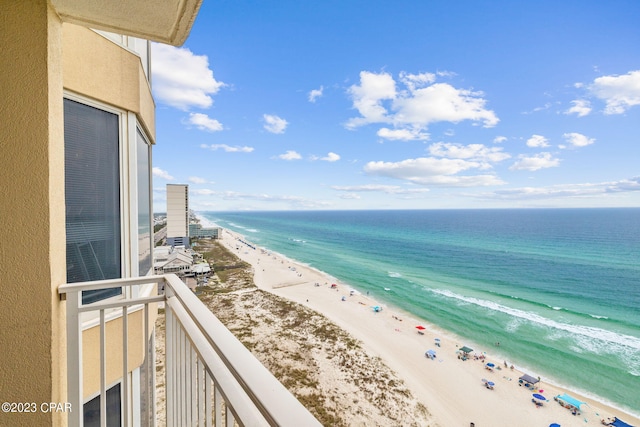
(103,370)
(210,377)
(124,393)
(168,365)
(74,359)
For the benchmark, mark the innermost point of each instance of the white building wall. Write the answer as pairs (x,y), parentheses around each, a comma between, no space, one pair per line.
(177,210)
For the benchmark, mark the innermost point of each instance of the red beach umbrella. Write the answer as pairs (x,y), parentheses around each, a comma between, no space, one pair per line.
(420,328)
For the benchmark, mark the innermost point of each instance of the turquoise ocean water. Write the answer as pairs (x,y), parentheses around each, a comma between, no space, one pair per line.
(559,289)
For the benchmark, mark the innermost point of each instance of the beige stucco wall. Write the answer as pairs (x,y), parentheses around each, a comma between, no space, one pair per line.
(100,69)
(113,332)
(32,244)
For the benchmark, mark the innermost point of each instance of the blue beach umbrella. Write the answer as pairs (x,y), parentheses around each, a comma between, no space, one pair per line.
(554,425)
(490,383)
(491,365)
(539,396)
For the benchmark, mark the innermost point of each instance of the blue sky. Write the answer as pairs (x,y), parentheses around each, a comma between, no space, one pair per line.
(287,105)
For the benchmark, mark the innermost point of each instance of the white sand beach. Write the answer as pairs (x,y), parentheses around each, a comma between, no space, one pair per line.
(451,389)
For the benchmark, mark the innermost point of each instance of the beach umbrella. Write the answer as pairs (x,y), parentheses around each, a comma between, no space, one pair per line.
(437,339)
(490,383)
(491,365)
(420,328)
(554,425)
(431,352)
(539,396)
(466,349)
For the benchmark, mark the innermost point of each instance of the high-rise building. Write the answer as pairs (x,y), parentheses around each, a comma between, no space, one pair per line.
(177,215)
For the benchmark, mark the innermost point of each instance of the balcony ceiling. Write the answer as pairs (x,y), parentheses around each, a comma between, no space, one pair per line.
(165,21)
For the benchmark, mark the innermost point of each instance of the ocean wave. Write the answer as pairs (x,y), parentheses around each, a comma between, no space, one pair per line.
(393,274)
(204,221)
(595,316)
(559,308)
(582,334)
(242,227)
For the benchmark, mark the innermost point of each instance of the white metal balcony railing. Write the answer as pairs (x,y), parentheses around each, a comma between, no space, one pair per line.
(211,377)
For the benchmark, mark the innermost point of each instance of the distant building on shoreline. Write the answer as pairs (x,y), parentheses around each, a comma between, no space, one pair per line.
(178,215)
(199,232)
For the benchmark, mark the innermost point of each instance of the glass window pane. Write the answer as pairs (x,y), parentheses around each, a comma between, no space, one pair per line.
(92,196)
(91,409)
(144,207)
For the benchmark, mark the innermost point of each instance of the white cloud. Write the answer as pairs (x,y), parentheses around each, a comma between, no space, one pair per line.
(537,141)
(499,139)
(535,162)
(227,148)
(160,173)
(477,152)
(288,201)
(315,94)
(368,96)
(413,81)
(290,155)
(389,189)
(402,134)
(442,102)
(350,196)
(581,108)
(578,140)
(204,122)
(274,124)
(182,79)
(197,180)
(619,92)
(331,157)
(422,102)
(430,170)
(567,190)
(203,191)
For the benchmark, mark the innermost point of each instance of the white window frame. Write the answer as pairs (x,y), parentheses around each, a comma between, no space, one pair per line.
(127,147)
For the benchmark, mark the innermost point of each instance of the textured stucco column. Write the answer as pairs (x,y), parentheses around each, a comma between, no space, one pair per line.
(32,237)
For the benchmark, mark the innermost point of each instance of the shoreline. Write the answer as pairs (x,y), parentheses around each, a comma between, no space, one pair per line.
(451,389)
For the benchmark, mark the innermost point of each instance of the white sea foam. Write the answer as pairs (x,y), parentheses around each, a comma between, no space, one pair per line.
(394,274)
(595,316)
(241,227)
(584,335)
(204,221)
(513,325)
